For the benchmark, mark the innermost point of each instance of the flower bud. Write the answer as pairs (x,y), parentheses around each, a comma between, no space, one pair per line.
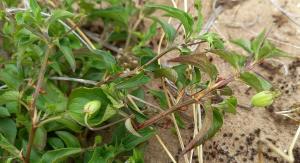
(92,106)
(263,99)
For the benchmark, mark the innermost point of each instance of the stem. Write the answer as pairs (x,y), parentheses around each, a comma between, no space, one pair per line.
(198,96)
(32,108)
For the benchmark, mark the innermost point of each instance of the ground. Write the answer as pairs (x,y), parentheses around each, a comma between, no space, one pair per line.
(237,140)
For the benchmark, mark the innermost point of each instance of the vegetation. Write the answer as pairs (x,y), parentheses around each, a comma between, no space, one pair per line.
(59,90)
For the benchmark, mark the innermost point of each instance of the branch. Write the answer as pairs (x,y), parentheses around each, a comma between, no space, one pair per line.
(32,108)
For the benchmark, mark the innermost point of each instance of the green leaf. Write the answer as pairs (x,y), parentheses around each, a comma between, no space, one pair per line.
(228,105)
(9,96)
(59,14)
(4,112)
(34,6)
(133,82)
(137,157)
(127,141)
(81,96)
(70,140)
(244,44)
(104,154)
(67,51)
(169,30)
(6,145)
(8,129)
(268,50)
(183,17)
(55,156)
(169,73)
(255,81)
(257,43)
(234,59)
(11,76)
(40,138)
(214,40)
(119,15)
(53,101)
(160,95)
(56,143)
(199,22)
(199,60)
(130,128)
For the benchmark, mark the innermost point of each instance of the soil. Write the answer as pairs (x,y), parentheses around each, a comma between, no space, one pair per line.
(237,140)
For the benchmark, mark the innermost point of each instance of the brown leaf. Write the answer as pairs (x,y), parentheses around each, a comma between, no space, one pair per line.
(199,60)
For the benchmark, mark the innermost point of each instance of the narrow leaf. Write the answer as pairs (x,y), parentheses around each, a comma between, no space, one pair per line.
(183,17)
(168,73)
(199,60)
(130,128)
(70,140)
(169,30)
(234,59)
(135,81)
(6,145)
(55,156)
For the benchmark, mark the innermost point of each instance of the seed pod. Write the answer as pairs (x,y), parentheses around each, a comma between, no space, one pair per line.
(92,107)
(263,99)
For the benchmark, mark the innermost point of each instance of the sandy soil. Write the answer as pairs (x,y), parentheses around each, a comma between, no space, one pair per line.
(237,140)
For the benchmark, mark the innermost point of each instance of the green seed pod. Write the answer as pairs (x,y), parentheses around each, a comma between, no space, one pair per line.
(92,107)
(263,99)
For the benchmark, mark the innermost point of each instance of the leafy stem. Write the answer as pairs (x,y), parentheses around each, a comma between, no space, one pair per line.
(197,97)
(32,107)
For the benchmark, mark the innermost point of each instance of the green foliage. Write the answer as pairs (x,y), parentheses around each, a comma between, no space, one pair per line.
(58,88)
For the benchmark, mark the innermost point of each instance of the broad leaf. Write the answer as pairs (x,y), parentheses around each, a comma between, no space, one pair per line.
(40,138)
(70,140)
(81,96)
(9,96)
(8,129)
(255,81)
(11,77)
(4,112)
(58,155)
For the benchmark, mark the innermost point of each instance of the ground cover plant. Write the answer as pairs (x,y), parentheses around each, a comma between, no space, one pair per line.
(61,83)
